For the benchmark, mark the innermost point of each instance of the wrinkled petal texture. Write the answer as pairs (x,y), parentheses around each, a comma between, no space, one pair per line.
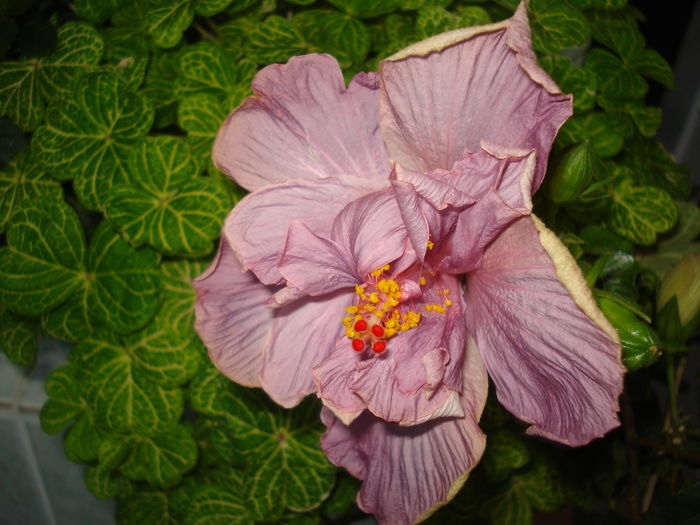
(303,334)
(231,317)
(257,227)
(552,365)
(408,472)
(303,123)
(486,87)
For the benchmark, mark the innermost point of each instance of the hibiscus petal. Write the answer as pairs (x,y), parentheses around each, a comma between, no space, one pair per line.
(303,334)
(231,317)
(303,123)
(419,376)
(484,85)
(372,231)
(257,226)
(554,358)
(409,472)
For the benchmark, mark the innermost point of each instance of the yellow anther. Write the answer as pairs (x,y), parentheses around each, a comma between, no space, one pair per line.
(352,309)
(447,302)
(446,291)
(430,245)
(374,297)
(405,327)
(350,333)
(391,323)
(422,281)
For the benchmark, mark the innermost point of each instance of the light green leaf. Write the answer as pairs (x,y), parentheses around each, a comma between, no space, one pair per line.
(22,183)
(618,31)
(26,86)
(641,212)
(99,11)
(73,320)
(473,16)
(556,26)
(579,81)
(166,204)
(105,484)
(275,40)
(64,402)
(615,78)
(162,459)
(128,34)
(168,19)
(671,250)
(88,136)
(18,337)
(123,398)
(35,276)
(364,9)
(82,441)
(177,311)
(222,501)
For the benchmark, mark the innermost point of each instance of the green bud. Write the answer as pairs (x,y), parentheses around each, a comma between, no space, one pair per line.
(572,173)
(678,301)
(640,345)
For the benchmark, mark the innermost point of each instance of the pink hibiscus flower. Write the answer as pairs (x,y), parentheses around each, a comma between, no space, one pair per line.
(342,273)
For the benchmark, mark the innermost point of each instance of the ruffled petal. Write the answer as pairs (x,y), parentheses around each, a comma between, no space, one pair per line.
(231,317)
(419,376)
(372,231)
(484,85)
(303,334)
(409,472)
(257,226)
(303,123)
(554,358)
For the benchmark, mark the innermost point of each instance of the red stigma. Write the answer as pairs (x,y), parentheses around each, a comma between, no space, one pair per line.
(361,325)
(358,345)
(379,347)
(377,330)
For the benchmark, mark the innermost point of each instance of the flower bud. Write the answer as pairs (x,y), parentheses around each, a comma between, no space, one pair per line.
(572,173)
(679,319)
(640,344)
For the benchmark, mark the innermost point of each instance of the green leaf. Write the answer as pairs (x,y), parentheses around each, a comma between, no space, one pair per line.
(123,397)
(511,508)
(434,20)
(23,183)
(88,136)
(97,12)
(26,86)
(364,9)
(162,459)
(505,452)
(105,484)
(579,81)
(601,129)
(215,443)
(146,506)
(201,117)
(652,65)
(652,164)
(618,31)
(210,7)
(35,276)
(18,338)
(168,19)
(209,69)
(600,240)
(682,241)
(220,502)
(348,35)
(128,34)
(641,212)
(177,310)
(64,402)
(556,26)
(125,285)
(473,16)
(165,204)
(287,468)
(275,40)
(82,441)
(615,78)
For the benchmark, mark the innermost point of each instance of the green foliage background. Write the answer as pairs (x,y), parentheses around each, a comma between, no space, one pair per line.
(110,205)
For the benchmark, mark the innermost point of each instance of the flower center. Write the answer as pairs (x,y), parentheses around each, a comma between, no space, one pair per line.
(375,316)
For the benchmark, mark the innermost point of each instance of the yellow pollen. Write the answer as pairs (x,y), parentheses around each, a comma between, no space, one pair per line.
(351,309)
(447,302)
(430,245)
(374,297)
(422,281)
